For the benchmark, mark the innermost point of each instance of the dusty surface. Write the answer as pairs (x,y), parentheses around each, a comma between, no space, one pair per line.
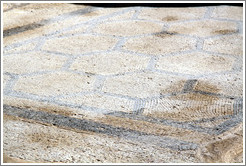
(84,84)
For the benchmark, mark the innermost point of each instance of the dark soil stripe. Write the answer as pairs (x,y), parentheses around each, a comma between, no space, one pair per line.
(87,125)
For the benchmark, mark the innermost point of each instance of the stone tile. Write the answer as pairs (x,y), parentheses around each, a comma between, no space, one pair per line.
(172,14)
(6,78)
(89,17)
(128,28)
(20,49)
(230,84)
(188,107)
(58,26)
(37,20)
(50,107)
(204,28)
(228,12)
(103,13)
(33,13)
(195,63)
(43,30)
(19,37)
(229,44)
(51,84)
(73,31)
(32,62)
(101,101)
(143,85)
(32,141)
(124,16)
(160,44)
(110,63)
(79,44)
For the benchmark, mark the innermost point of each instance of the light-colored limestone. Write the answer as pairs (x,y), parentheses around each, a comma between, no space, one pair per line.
(229,44)
(73,31)
(160,44)
(204,28)
(226,147)
(188,107)
(95,14)
(7,159)
(64,29)
(105,14)
(49,144)
(8,6)
(32,13)
(124,16)
(172,14)
(195,63)
(50,108)
(54,84)
(6,78)
(80,44)
(32,62)
(143,85)
(228,84)
(89,17)
(110,63)
(38,20)
(20,49)
(101,101)
(128,28)
(26,35)
(42,30)
(228,12)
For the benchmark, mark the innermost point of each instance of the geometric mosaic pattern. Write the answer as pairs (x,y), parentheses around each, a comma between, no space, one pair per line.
(133,65)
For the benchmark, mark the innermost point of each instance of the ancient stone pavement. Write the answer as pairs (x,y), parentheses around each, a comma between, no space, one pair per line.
(89,84)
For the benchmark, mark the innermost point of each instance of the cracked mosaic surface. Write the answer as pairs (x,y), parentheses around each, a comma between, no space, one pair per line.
(142,84)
